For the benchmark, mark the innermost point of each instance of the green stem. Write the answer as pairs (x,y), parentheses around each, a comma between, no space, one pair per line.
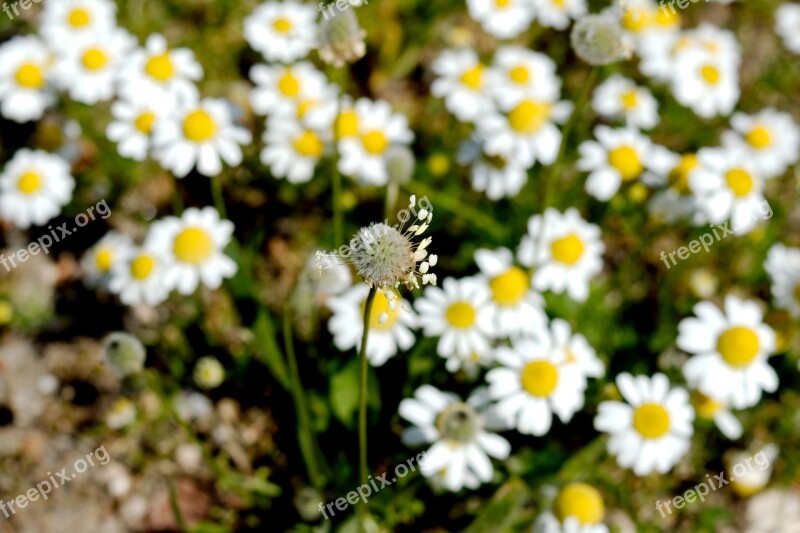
(362,402)
(338,215)
(219,198)
(392,190)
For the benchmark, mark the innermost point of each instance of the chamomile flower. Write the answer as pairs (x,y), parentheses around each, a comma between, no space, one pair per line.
(292,149)
(463,81)
(363,155)
(619,97)
(137,277)
(673,173)
(727,186)
(495,176)
(576,349)
(459,456)
(783,267)
(504,19)
(283,89)
(558,13)
(192,247)
(134,120)
(652,429)
(787,25)
(34,187)
(458,313)
(88,70)
(565,250)
(199,133)
(390,327)
(578,508)
(158,68)
(519,73)
(24,69)
(64,23)
(706,84)
(725,421)
(730,350)
(514,307)
(282,31)
(616,157)
(98,262)
(534,382)
(771,139)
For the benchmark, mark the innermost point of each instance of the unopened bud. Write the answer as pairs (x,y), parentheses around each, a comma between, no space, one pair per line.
(399,164)
(598,39)
(341,39)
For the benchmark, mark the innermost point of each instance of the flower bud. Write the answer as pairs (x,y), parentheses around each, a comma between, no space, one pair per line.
(399,164)
(598,39)
(341,39)
(124,353)
(209,374)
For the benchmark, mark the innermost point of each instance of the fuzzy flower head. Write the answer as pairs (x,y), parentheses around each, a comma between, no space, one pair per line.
(598,39)
(124,353)
(341,39)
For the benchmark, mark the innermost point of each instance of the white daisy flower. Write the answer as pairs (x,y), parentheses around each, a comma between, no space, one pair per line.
(725,421)
(771,139)
(705,83)
(578,508)
(134,121)
(548,523)
(730,352)
(535,381)
(519,73)
(157,68)
(363,156)
(192,247)
(652,429)
(783,267)
(34,186)
(459,456)
(24,70)
(619,97)
(504,19)
(385,338)
(457,313)
(576,349)
(727,186)
(292,150)
(526,131)
(566,254)
(99,260)
(514,307)
(495,176)
(558,13)
(463,81)
(283,89)
(616,157)
(787,25)
(137,277)
(88,70)
(199,133)
(675,201)
(63,23)
(282,31)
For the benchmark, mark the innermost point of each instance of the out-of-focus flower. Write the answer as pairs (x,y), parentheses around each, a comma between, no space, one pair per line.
(464,83)
(25,66)
(770,139)
(750,471)
(518,74)
(578,508)
(706,83)
(558,13)
(505,19)
(598,39)
(787,25)
(282,89)
(282,31)
(400,164)
(122,413)
(70,21)
(619,97)
(100,259)
(707,408)
(139,277)
(341,39)
(783,267)
(124,353)
(135,119)
(209,373)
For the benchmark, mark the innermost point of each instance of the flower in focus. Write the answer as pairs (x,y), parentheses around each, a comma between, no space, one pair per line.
(282,31)
(24,70)
(652,429)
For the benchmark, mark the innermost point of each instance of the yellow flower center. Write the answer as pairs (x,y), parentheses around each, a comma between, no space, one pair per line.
(630,99)
(705,406)
(144,122)
(581,501)
(29,183)
(30,76)
(346,124)
(539,378)
(94,59)
(78,18)
(375,142)
(739,181)
(567,250)
(380,306)
(738,346)
(308,144)
(510,287)
(460,315)
(193,246)
(282,25)
(759,137)
(198,126)
(519,75)
(679,176)
(289,85)
(473,78)
(142,267)
(502,3)
(305,106)
(103,259)
(635,20)
(626,161)
(160,67)
(529,116)
(666,18)
(651,420)
(711,74)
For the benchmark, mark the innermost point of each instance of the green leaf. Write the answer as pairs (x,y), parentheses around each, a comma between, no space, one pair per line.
(344,393)
(267,349)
